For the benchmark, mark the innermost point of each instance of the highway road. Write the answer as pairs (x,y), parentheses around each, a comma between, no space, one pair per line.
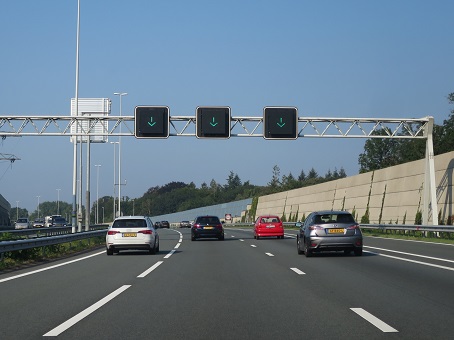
(239,288)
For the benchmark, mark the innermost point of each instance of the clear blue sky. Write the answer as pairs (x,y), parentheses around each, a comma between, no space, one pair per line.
(387,58)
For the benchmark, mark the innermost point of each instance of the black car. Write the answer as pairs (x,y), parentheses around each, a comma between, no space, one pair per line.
(207,227)
(157,224)
(165,224)
(329,231)
(59,222)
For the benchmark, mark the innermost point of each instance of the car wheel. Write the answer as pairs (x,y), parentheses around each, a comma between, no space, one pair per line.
(358,251)
(109,251)
(157,247)
(192,237)
(257,237)
(221,238)
(300,252)
(307,251)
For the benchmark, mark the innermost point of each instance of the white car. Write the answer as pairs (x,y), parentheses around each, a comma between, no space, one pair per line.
(22,223)
(132,232)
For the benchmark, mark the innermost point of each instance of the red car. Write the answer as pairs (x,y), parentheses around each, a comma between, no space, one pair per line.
(269,225)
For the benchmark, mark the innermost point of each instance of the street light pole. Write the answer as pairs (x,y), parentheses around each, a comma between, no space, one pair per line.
(120,94)
(17,210)
(97,191)
(114,167)
(38,205)
(58,201)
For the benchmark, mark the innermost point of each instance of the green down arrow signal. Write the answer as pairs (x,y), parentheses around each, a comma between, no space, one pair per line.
(151,123)
(280,124)
(213,123)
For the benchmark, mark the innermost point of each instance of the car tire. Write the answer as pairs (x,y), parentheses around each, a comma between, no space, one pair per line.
(300,252)
(257,237)
(307,251)
(155,248)
(109,251)
(358,251)
(221,238)
(192,237)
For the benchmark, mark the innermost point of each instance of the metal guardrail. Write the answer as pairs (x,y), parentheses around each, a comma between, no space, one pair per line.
(47,241)
(383,227)
(46,232)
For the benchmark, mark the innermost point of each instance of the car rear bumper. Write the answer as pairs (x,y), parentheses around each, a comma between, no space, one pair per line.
(200,233)
(335,243)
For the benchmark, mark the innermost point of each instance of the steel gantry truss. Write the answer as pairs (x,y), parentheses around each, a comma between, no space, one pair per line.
(185,126)
(308,127)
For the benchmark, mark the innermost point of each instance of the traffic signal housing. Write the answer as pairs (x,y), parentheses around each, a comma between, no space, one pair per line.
(213,122)
(280,122)
(151,121)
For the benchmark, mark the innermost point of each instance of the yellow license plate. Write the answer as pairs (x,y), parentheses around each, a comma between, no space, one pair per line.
(207,227)
(336,231)
(129,234)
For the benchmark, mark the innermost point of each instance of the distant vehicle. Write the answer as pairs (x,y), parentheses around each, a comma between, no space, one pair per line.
(132,232)
(268,226)
(59,222)
(157,224)
(165,224)
(49,220)
(22,223)
(329,231)
(207,227)
(185,224)
(38,223)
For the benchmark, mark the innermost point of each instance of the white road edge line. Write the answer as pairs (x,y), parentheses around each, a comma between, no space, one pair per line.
(413,261)
(76,318)
(384,327)
(149,270)
(170,254)
(411,254)
(299,272)
(51,267)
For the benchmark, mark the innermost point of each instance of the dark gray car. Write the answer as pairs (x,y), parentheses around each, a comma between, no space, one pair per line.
(330,231)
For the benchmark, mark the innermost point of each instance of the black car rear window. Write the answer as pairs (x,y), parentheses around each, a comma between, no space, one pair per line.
(208,220)
(132,223)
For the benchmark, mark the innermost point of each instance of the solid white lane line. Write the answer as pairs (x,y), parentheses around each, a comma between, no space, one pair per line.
(75,319)
(269,254)
(384,327)
(51,267)
(149,270)
(299,272)
(411,254)
(169,254)
(412,261)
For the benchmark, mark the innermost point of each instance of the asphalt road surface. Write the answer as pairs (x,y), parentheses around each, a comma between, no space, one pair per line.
(239,288)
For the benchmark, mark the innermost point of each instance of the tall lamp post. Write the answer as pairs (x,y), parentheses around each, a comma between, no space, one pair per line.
(58,201)
(114,166)
(120,94)
(38,205)
(97,191)
(17,210)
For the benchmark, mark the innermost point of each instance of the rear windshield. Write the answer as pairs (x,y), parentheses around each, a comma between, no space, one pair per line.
(208,220)
(270,219)
(132,223)
(334,218)
(22,220)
